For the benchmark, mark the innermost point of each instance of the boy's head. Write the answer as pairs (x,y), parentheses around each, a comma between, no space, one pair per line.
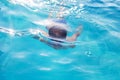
(57,32)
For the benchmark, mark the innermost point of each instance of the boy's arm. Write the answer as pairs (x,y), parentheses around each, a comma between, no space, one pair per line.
(75,35)
(35,36)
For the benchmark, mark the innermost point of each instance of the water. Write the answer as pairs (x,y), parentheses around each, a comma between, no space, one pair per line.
(96,56)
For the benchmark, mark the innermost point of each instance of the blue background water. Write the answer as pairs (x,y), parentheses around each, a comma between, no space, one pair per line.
(96,57)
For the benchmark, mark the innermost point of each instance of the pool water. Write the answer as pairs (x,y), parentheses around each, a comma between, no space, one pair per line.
(95,57)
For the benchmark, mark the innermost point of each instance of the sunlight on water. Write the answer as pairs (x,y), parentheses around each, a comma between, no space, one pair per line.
(95,56)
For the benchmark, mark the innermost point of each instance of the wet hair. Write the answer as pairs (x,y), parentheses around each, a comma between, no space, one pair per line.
(57,32)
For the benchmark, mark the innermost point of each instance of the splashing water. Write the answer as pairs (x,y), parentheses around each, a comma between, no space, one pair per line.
(96,55)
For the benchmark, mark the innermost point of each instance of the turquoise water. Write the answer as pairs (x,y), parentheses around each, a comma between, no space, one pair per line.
(95,57)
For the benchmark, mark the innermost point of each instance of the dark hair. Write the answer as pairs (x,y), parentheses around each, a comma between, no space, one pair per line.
(57,32)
